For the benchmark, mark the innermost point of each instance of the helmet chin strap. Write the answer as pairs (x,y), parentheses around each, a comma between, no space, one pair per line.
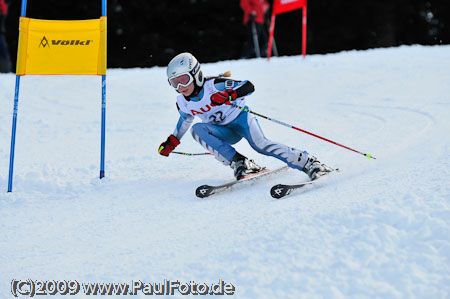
(196,90)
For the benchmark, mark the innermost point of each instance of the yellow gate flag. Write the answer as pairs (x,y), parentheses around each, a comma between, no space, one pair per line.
(48,47)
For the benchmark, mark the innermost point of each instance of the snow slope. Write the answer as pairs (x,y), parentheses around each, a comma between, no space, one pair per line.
(381,228)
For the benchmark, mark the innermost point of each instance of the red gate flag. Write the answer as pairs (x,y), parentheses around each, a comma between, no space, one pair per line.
(282,6)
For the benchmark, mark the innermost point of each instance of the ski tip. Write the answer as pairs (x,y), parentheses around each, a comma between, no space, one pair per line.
(278,191)
(203,191)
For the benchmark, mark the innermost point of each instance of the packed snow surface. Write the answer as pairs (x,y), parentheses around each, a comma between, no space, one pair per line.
(380,228)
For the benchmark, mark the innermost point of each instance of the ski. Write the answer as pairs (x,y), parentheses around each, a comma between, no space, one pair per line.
(281,190)
(207,190)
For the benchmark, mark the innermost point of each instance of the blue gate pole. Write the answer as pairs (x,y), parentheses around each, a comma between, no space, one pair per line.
(102,150)
(14,122)
(13,134)
(102,153)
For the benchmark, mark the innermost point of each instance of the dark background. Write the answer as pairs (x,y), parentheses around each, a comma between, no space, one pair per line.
(145,33)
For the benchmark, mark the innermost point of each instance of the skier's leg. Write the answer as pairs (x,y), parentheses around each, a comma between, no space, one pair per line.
(294,158)
(247,125)
(217,140)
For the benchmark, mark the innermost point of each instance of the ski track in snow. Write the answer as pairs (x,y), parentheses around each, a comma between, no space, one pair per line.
(379,228)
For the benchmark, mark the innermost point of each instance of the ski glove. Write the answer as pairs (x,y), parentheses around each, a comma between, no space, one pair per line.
(168,146)
(224,97)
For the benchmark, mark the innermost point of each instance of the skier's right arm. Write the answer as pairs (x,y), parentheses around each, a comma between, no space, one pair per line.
(184,123)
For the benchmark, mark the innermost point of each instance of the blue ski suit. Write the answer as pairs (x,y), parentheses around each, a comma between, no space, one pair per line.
(224,125)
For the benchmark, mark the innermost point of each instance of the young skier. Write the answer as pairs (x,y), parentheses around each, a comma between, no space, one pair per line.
(222,124)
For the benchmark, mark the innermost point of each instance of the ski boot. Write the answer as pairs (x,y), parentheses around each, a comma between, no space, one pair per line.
(243,166)
(314,169)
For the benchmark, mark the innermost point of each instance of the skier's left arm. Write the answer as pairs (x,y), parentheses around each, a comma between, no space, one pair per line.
(230,90)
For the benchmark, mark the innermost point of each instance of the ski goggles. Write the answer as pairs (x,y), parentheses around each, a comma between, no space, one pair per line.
(181,80)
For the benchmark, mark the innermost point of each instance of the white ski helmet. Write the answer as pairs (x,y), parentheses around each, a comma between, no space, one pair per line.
(183,69)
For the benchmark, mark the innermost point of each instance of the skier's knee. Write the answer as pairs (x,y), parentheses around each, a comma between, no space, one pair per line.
(197,130)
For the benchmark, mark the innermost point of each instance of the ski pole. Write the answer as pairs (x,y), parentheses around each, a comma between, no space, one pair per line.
(369,156)
(191,154)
